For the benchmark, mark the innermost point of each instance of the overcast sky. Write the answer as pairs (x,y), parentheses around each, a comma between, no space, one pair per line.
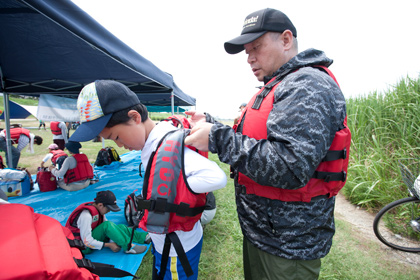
(373,43)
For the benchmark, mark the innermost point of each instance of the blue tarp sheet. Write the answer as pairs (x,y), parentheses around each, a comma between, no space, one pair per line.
(122,178)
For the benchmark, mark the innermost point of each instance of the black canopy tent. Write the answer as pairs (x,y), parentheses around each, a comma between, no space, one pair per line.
(54,47)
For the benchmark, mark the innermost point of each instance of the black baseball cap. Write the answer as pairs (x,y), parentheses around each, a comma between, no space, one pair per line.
(257,24)
(108,199)
(96,103)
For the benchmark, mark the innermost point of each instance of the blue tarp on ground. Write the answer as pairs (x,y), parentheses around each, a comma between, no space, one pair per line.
(122,178)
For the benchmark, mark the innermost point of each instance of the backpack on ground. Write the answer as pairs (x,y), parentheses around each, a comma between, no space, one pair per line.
(46,180)
(132,214)
(106,156)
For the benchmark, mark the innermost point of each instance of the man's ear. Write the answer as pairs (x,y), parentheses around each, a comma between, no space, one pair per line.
(134,115)
(287,39)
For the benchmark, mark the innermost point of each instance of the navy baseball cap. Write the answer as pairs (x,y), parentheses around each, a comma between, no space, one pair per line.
(108,199)
(257,24)
(96,103)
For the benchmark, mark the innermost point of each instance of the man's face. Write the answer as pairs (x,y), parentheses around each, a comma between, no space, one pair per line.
(265,55)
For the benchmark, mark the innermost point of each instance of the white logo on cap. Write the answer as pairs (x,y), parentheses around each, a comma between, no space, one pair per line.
(250,21)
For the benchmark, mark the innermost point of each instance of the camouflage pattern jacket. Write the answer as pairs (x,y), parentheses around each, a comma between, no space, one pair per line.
(308,108)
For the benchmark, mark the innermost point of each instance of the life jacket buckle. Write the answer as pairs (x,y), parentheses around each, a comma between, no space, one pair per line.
(344,176)
(160,205)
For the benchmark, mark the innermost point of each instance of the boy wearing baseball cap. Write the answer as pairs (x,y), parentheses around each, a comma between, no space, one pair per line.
(89,224)
(111,110)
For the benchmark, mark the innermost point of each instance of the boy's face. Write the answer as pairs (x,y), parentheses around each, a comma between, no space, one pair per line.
(102,208)
(130,135)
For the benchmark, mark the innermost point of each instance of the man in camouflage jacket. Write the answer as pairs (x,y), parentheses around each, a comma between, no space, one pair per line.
(308,109)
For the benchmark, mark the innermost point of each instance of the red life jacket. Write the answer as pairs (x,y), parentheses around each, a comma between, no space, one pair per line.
(56,155)
(16,132)
(82,171)
(47,253)
(71,223)
(169,203)
(183,122)
(330,175)
(54,128)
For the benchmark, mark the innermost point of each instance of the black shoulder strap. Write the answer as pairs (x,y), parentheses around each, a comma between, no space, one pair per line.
(102,269)
(172,238)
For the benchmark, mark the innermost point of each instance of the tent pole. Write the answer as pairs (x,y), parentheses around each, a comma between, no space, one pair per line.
(7,122)
(172,103)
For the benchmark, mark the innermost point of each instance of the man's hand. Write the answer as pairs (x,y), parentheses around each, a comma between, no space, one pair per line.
(113,246)
(196,117)
(50,168)
(199,136)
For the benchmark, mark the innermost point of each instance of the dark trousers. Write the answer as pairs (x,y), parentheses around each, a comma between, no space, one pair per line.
(259,265)
(15,153)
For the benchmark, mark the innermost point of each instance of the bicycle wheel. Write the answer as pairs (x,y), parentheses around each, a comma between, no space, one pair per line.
(397,225)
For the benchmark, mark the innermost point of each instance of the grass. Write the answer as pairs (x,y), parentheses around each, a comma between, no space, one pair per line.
(385,127)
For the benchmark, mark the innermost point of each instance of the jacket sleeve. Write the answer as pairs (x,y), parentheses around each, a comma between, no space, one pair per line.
(84,223)
(307,111)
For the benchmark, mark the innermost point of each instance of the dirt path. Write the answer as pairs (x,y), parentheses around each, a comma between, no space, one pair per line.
(363,222)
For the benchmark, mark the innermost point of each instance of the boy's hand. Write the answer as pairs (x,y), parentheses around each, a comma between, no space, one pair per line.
(113,246)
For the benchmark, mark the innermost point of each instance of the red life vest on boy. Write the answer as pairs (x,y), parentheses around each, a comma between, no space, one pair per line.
(183,122)
(16,132)
(330,175)
(169,203)
(71,223)
(54,128)
(82,171)
(56,155)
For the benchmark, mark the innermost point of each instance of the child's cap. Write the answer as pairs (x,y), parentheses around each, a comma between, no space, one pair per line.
(53,147)
(96,103)
(108,199)
(73,147)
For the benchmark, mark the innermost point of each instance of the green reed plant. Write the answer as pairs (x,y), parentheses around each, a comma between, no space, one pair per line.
(385,127)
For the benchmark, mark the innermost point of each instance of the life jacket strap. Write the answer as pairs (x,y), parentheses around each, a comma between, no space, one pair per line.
(161,205)
(172,238)
(335,155)
(330,176)
(102,269)
(76,243)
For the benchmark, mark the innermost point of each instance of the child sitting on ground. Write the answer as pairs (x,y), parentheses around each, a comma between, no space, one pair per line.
(176,180)
(89,224)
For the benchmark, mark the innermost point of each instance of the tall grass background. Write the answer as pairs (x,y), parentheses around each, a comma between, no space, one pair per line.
(385,128)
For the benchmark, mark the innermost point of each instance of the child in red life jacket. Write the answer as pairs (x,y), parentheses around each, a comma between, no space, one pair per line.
(56,156)
(76,170)
(89,224)
(176,179)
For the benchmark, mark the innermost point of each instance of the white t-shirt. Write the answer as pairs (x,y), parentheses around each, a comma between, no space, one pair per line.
(47,157)
(202,175)
(84,223)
